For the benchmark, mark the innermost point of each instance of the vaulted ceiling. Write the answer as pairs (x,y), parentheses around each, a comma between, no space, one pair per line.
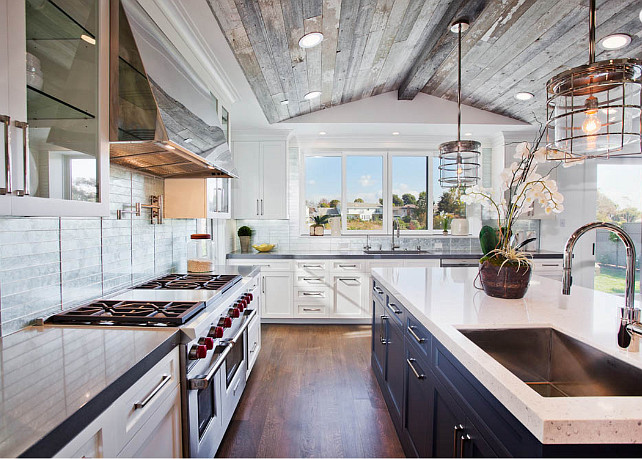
(375,46)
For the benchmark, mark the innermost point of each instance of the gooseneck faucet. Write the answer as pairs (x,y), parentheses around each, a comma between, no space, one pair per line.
(395,226)
(629,314)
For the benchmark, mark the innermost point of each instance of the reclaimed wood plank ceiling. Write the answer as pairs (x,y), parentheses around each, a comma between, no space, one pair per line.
(375,46)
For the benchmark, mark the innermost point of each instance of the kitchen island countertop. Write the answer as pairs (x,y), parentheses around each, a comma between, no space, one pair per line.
(444,299)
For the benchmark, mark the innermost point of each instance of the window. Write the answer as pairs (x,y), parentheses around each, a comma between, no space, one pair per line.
(367,190)
(409,191)
(322,187)
(446,201)
(364,193)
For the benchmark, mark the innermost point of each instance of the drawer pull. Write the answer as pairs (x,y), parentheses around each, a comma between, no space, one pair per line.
(411,329)
(254,347)
(163,382)
(378,290)
(551,265)
(312,309)
(347,266)
(313,266)
(394,308)
(350,281)
(384,317)
(411,364)
(312,293)
(313,279)
(236,387)
(456,430)
(462,440)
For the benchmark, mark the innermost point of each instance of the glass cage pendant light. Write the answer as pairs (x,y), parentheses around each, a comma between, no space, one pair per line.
(459,159)
(593,111)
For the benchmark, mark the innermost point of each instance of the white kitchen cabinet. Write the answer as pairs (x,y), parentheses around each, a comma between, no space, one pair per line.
(276,290)
(58,115)
(127,429)
(350,295)
(261,191)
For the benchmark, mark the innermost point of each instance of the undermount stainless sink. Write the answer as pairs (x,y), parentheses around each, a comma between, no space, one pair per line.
(555,365)
(395,252)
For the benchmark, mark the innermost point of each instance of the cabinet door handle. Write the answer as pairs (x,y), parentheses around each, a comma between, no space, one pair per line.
(257,207)
(164,380)
(6,120)
(262,209)
(411,364)
(383,341)
(462,440)
(254,347)
(394,308)
(411,329)
(456,431)
(384,317)
(25,158)
(263,285)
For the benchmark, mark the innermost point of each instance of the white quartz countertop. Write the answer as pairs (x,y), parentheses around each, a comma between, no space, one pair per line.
(444,299)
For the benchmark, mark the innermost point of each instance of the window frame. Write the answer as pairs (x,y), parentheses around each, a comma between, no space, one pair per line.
(387,159)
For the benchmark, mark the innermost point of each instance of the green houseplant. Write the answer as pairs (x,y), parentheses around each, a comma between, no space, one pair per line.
(318,228)
(505,269)
(244,234)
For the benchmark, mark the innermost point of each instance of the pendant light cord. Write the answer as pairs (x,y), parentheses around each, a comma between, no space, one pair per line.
(459,85)
(592,22)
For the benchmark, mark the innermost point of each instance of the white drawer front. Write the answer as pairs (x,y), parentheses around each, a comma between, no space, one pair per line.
(348,266)
(311,310)
(312,295)
(311,266)
(142,399)
(310,280)
(266,265)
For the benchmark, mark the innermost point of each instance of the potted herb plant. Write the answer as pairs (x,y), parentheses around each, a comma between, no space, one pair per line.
(318,228)
(505,269)
(244,233)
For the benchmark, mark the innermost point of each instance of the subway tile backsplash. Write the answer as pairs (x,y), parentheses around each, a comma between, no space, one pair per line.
(49,264)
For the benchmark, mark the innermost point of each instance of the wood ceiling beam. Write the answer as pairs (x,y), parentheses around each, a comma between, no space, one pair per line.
(437,46)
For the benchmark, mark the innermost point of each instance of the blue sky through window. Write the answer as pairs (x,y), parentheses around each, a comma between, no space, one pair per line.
(408,175)
(322,178)
(364,178)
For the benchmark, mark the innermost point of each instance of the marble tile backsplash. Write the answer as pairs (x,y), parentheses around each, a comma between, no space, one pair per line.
(48,264)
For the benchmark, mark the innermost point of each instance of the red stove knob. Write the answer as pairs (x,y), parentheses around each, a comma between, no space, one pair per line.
(216,332)
(250,298)
(235,313)
(225,322)
(207,342)
(241,305)
(198,352)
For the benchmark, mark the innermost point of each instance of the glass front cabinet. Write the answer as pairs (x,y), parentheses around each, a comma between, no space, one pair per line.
(54,107)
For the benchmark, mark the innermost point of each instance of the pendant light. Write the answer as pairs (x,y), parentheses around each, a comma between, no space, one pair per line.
(593,111)
(459,159)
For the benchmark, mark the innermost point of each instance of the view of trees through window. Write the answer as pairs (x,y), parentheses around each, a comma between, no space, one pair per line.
(446,202)
(364,193)
(409,191)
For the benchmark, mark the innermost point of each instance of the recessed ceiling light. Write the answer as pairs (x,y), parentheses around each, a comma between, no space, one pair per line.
(468,134)
(615,41)
(640,15)
(524,95)
(88,39)
(395,133)
(285,102)
(169,147)
(310,40)
(188,140)
(322,133)
(454,28)
(312,95)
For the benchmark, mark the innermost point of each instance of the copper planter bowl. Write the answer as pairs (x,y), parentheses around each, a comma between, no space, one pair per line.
(508,281)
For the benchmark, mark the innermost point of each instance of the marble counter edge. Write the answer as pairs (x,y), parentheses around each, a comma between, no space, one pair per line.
(56,439)
(546,426)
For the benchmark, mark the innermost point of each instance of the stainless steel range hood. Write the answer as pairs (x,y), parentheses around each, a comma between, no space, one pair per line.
(163,120)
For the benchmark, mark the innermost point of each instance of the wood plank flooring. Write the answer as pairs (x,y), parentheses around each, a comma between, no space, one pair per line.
(312,393)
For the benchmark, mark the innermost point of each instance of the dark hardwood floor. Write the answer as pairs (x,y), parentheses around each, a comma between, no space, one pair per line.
(312,393)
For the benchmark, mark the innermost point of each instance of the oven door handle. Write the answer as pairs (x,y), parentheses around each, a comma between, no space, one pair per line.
(203,381)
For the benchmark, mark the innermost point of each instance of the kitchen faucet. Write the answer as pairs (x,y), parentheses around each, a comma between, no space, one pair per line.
(629,314)
(395,225)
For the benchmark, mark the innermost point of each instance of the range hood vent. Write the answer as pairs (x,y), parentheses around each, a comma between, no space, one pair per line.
(150,130)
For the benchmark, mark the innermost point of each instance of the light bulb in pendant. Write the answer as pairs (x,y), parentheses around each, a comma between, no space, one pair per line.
(460,168)
(591,124)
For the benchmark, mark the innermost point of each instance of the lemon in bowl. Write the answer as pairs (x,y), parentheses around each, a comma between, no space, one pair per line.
(263,247)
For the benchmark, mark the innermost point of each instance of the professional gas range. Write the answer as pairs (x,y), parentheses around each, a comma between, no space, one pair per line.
(217,315)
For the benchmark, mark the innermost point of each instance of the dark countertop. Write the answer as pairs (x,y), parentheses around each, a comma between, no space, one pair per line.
(355,255)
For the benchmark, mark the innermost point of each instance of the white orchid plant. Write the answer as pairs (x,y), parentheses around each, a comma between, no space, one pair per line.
(521,188)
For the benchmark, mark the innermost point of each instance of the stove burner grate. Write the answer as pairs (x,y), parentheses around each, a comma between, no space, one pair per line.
(219,282)
(106,312)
